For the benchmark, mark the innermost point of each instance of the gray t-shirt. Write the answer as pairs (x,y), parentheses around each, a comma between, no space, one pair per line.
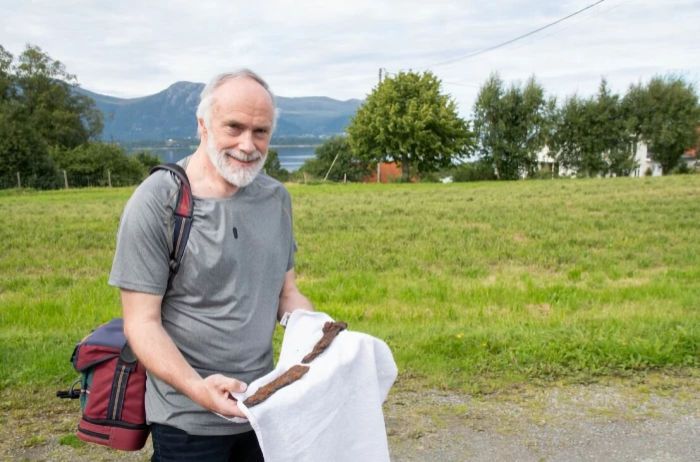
(221,308)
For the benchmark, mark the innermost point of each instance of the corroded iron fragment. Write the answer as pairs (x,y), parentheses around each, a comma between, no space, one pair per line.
(330,331)
(293,374)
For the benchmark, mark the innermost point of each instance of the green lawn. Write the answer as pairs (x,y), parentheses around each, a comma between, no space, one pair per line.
(473,286)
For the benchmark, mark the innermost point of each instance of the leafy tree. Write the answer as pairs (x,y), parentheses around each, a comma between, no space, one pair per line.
(273,167)
(591,136)
(62,117)
(40,111)
(6,86)
(148,159)
(89,164)
(407,120)
(335,158)
(24,151)
(512,126)
(664,113)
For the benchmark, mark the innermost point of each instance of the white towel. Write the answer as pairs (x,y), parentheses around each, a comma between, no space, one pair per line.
(332,413)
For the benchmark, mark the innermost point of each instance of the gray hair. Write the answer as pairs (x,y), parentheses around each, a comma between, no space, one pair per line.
(207,96)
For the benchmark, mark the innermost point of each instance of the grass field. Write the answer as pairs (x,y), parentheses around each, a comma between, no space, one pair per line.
(473,286)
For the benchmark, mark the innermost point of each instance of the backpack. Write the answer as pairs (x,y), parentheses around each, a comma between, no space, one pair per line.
(113,382)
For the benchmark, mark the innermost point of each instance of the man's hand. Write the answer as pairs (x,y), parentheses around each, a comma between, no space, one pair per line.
(157,352)
(214,394)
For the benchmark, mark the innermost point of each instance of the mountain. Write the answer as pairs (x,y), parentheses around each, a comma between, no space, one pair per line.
(171,114)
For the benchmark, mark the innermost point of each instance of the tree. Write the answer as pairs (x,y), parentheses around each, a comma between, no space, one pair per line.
(6,85)
(591,136)
(23,151)
(62,117)
(148,159)
(335,158)
(664,113)
(407,120)
(39,111)
(512,126)
(273,167)
(92,164)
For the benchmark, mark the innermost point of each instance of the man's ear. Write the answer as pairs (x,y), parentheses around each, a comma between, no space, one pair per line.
(201,128)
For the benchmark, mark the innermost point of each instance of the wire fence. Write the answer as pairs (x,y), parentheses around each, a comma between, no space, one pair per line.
(65,180)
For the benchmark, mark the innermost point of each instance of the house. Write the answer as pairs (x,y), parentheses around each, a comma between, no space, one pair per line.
(387,172)
(642,158)
(690,157)
(646,166)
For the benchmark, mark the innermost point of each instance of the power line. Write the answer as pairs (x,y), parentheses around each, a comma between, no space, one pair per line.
(508,42)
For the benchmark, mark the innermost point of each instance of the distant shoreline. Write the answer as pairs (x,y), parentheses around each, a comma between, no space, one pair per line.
(291,156)
(294,145)
(194,147)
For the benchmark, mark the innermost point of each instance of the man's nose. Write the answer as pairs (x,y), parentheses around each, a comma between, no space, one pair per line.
(245,142)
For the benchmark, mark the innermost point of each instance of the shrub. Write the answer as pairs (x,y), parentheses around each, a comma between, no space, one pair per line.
(474,171)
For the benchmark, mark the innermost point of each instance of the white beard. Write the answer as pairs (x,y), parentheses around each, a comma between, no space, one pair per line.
(236,175)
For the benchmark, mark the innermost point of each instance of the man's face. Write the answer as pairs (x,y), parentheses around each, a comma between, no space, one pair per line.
(239,131)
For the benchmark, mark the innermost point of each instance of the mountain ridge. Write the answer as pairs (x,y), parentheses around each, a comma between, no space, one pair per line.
(170,114)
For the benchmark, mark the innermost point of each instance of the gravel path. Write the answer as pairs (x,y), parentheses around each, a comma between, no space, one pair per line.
(600,422)
(649,419)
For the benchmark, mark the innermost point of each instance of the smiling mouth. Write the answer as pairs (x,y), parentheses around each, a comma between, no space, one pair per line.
(243,158)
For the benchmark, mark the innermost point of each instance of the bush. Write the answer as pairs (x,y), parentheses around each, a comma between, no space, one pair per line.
(148,159)
(681,169)
(335,152)
(474,171)
(273,167)
(99,164)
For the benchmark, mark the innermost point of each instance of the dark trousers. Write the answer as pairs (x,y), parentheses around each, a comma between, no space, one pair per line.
(173,444)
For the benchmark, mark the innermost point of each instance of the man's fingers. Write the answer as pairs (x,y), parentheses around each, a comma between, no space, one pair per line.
(229,384)
(236,386)
(219,397)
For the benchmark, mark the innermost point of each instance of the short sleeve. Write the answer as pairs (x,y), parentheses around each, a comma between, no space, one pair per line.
(143,240)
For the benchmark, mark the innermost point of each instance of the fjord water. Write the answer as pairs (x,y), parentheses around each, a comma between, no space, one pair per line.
(291,156)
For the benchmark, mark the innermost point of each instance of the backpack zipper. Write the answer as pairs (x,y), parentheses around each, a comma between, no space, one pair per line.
(120,389)
(103,436)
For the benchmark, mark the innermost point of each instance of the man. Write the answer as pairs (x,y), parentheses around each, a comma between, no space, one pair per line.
(209,333)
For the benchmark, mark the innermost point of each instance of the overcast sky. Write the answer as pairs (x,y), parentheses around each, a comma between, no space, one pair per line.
(335,48)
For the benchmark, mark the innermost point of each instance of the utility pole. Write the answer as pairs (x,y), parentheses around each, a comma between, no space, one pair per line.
(380,75)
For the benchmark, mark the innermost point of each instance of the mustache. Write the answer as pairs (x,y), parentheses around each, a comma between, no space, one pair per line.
(241,156)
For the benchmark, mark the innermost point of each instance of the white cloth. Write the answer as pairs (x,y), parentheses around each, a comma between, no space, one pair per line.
(334,412)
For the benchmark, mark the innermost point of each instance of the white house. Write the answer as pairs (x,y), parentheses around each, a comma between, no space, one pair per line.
(642,159)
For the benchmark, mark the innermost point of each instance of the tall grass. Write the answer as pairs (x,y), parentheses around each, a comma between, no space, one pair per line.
(472,285)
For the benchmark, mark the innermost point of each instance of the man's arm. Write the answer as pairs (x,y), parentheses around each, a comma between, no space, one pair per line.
(290,296)
(156,350)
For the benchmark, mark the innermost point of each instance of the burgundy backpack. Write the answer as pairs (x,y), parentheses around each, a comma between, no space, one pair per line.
(112,381)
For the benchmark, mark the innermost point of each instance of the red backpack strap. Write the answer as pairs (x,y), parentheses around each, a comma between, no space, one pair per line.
(184,210)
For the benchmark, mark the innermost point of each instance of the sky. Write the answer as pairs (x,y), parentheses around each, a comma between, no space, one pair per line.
(336,48)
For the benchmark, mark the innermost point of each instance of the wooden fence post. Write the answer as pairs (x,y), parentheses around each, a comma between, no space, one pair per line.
(19,181)
(109,178)
(65,179)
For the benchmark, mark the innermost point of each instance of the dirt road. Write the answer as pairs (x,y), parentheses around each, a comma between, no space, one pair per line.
(651,419)
(656,420)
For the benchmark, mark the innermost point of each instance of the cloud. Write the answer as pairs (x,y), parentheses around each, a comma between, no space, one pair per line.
(335,48)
